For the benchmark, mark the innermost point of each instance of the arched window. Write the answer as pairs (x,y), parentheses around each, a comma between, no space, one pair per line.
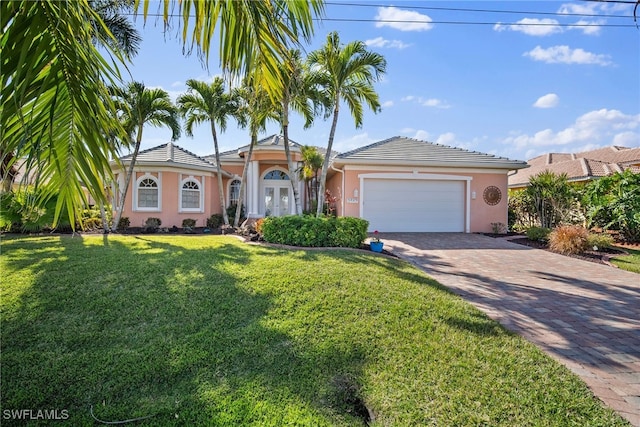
(148,193)
(234,192)
(277,175)
(190,195)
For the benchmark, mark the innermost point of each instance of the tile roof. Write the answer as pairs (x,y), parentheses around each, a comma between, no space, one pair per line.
(170,153)
(581,166)
(402,150)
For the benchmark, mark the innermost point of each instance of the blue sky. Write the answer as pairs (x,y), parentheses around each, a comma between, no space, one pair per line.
(507,86)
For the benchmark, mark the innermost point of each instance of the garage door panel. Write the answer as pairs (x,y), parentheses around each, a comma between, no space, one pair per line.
(414,205)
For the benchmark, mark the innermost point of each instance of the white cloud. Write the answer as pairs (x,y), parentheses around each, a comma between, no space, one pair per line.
(435,103)
(403,20)
(600,127)
(590,28)
(549,100)
(422,135)
(532,26)
(356,141)
(579,8)
(387,104)
(431,102)
(177,84)
(384,43)
(566,55)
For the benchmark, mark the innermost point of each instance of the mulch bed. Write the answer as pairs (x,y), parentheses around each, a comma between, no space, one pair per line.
(601,256)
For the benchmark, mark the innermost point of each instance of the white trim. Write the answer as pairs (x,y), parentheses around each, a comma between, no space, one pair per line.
(275,183)
(424,177)
(446,170)
(200,184)
(134,198)
(229,181)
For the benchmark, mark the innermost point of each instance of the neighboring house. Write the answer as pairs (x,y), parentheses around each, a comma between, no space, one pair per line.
(399,184)
(580,167)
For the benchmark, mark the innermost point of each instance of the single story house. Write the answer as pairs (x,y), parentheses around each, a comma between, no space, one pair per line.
(398,184)
(580,167)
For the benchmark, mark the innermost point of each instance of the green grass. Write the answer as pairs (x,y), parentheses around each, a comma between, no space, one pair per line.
(206,330)
(629,262)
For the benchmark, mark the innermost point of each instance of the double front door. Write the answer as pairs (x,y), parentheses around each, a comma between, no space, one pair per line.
(276,200)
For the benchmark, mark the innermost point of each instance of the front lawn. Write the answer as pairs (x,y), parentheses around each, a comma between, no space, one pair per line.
(206,330)
(629,262)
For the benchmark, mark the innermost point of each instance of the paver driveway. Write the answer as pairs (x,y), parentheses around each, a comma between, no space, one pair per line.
(585,315)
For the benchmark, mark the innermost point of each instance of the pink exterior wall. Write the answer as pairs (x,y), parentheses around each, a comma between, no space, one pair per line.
(481,214)
(169,188)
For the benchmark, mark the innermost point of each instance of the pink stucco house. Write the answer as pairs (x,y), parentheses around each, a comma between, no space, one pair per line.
(399,184)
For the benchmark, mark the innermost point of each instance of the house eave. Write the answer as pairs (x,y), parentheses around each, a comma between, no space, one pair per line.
(429,163)
(170,165)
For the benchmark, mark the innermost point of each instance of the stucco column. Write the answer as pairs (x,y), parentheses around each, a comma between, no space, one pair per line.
(253,188)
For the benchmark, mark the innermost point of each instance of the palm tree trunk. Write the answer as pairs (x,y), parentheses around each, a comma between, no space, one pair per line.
(123,195)
(327,157)
(103,216)
(247,162)
(292,173)
(225,216)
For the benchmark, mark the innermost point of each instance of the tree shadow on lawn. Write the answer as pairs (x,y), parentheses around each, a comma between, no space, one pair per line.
(470,320)
(153,328)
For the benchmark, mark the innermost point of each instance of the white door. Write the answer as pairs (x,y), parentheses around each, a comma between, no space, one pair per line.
(276,201)
(396,205)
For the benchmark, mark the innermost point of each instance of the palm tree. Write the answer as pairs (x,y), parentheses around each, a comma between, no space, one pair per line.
(138,106)
(209,103)
(53,85)
(124,35)
(299,94)
(312,162)
(255,109)
(348,74)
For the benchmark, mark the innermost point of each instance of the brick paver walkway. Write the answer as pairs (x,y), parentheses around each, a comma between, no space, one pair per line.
(583,314)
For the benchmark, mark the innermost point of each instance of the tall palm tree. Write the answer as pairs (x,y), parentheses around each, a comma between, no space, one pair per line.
(53,85)
(349,72)
(205,102)
(255,109)
(138,106)
(312,162)
(300,94)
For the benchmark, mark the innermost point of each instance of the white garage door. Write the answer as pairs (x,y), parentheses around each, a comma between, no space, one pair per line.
(414,205)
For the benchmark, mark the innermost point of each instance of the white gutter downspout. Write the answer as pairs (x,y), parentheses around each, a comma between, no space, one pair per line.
(342,195)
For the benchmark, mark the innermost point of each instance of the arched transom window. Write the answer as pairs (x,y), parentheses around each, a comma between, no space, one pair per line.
(190,195)
(148,193)
(277,175)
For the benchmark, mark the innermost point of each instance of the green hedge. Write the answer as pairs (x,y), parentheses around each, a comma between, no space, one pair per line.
(294,230)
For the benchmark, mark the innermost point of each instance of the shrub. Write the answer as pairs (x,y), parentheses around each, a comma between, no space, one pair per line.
(21,211)
(215,221)
(311,231)
(152,224)
(231,212)
(553,198)
(613,203)
(498,228)
(258,225)
(599,241)
(124,223)
(91,219)
(539,234)
(188,223)
(569,239)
